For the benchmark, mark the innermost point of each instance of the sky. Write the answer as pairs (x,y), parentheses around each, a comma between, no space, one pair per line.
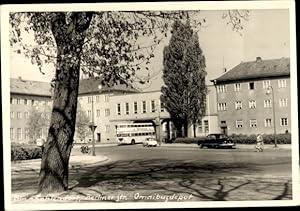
(265,35)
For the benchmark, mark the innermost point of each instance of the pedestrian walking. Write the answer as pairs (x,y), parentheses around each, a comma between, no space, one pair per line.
(259,143)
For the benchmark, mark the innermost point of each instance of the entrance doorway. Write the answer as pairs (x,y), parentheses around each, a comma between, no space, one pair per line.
(98,137)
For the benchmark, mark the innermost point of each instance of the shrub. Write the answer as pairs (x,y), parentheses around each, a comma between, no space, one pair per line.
(189,140)
(25,152)
(268,138)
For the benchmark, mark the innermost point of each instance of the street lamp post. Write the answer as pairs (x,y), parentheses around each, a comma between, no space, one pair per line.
(271,91)
(93,128)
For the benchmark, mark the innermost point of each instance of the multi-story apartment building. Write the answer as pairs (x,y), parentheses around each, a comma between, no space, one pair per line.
(26,98)
(254,97)
(104,106)
(146,106)
(95,101)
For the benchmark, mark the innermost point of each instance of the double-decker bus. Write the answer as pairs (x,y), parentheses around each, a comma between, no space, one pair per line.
(134,133)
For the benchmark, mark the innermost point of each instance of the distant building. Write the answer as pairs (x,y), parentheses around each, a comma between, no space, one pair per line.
(244,97)
(27,97)
(95,100)
(105,106)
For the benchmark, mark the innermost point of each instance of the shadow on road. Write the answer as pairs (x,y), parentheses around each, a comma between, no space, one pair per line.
(204,182)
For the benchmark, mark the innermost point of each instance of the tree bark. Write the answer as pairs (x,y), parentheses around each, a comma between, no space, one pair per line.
(194,129)
(69,39)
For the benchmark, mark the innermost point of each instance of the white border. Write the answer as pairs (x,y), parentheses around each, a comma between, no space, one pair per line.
(5,67)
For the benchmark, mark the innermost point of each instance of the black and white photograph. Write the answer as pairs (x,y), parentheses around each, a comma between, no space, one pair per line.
(149,105)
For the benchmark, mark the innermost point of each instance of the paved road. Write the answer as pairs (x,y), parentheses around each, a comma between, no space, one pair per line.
(135,173)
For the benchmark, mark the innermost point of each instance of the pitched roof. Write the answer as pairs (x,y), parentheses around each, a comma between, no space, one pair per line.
(38,88)
(91,85)
(257,69)
(86,86)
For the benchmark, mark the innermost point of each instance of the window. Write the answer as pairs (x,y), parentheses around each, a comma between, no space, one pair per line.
(238,105)
(206,126)
(282,83)
(266,84)
(107,112)
(11,133)
(253,123)
(222,106)
(19,115)
(107,128)
(268,122)
(239,123)
(252,104)
(26,133)
(97,99)
(162,107)
(283,122)
(144,107)
(25,102)
(283,102)
(267,103)
(19,133)
(39,133)
(200,129)
(26,115)
(251,86)
(221,88)
(32,102)
(152,106)
(98,112)
(237,87)
(11,101)
(106,98)
(135,108)
(127,108)
(18,101)
(89,114)
(118,109)
(89,99)
(12,114)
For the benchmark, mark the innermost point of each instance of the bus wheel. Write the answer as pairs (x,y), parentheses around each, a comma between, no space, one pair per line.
(132,142)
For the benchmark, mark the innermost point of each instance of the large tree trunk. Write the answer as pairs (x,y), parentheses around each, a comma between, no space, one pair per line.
(194,130)
(69,39)
(185,128)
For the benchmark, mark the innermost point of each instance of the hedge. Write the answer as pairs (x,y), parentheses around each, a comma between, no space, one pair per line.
(268,138)
(242,139)
(25,152)
(189,140)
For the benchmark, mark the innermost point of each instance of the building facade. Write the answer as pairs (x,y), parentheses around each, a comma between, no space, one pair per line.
(254,98)
(104,106)
(28,98)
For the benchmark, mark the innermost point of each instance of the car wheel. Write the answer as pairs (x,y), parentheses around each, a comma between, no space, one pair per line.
(132,141)
(201,146)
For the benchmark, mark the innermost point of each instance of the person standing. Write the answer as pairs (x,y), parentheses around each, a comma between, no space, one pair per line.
(259,143)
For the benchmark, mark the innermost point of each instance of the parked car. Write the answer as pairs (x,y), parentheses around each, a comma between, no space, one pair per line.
(216,140)
(150,142)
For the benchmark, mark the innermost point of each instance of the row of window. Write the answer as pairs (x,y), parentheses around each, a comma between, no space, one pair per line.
(282,83)
(26,115)
(98,113)
(32,102)
(267,123)
(91,99)
(252,104)
(153,107)
(19,133)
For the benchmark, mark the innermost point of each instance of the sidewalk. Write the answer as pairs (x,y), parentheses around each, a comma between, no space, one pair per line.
(75,161)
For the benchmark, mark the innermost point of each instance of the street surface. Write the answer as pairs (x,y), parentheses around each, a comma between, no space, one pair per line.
(168,173)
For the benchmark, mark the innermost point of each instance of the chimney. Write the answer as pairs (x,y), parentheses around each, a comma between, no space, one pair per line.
(225,70)
(258,59)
